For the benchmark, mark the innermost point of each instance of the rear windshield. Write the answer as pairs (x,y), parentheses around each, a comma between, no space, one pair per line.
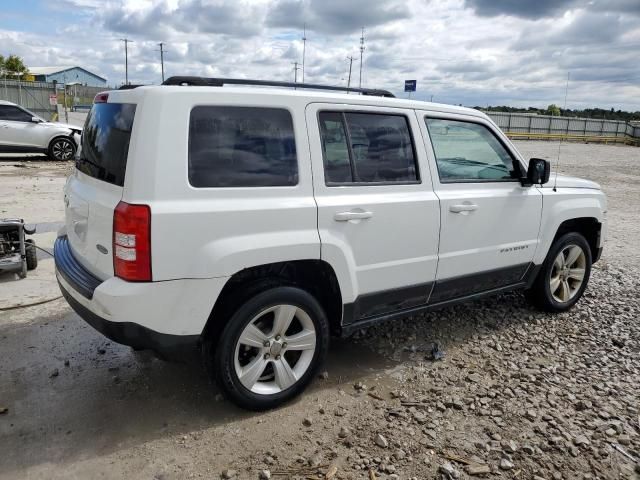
(105,141)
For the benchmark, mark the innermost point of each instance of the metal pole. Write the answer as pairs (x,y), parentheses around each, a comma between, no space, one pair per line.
(66,113)
(304,47)
(162,59)
(295,72)
(350,65)
(126,60)
(361,52)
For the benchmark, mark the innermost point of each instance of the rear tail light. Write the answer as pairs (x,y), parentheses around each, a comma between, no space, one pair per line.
(101,97)
(132,242)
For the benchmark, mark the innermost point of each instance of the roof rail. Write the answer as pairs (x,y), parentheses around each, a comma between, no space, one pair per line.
(219,82)
(129,86)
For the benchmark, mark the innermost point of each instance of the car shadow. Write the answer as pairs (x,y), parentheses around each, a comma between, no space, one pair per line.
(15,157)
(73,394)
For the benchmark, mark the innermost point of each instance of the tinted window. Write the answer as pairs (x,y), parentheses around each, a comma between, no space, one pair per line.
(367,148)
(469,152)
(8,112)
(335,150)
(241,147)
(105,141)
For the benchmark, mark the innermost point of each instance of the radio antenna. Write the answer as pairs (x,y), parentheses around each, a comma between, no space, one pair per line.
(566,93)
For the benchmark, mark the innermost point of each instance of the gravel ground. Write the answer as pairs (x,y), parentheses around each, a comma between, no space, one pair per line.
(518,394)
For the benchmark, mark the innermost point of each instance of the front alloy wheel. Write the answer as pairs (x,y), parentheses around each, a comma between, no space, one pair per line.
(62,149)
(270,347)
(564,275)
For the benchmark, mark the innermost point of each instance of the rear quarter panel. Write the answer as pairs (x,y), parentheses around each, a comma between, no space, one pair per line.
(214,232)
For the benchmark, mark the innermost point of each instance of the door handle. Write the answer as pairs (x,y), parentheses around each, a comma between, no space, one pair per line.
(353,215)
(465,207)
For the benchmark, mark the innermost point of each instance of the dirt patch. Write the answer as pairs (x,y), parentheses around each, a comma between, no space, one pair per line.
(518,394)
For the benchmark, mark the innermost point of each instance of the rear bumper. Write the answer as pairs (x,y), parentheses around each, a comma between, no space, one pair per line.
(167,317)
(175,347)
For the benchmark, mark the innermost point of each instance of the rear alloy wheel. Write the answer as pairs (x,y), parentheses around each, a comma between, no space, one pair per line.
(62,149)
(271,348)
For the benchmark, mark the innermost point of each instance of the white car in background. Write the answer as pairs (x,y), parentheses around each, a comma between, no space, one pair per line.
(21,131)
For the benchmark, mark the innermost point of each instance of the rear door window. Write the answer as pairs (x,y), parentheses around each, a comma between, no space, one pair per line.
(374,148)
(105,142)
(241,147)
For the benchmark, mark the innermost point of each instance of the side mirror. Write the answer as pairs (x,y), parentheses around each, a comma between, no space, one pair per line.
(538,172)
(35,120)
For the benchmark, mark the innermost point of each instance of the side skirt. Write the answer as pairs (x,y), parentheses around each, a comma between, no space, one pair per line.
(526,280)
(21,149)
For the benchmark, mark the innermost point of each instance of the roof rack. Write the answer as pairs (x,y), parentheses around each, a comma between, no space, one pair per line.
(219,82)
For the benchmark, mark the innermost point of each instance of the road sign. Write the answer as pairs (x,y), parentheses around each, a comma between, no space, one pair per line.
(410,85)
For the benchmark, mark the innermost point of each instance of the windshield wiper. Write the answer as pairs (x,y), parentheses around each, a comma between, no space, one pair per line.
(463,161)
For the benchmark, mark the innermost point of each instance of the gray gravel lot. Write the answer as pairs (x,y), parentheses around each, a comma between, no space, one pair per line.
(519,394)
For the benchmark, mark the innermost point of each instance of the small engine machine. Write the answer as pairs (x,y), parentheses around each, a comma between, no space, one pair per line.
(17,254)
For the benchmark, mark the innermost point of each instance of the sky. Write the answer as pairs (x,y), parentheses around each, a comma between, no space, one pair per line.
(470,52)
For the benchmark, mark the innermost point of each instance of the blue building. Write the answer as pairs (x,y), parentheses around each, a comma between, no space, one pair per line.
(67,75)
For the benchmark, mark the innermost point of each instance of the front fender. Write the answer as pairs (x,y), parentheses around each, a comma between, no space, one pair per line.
(567,204)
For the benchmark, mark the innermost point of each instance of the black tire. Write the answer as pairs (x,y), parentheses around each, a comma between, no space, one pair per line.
(62,149)
(221,354)
(31,254)
(540,294)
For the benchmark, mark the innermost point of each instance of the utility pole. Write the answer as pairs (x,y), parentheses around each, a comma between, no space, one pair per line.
(126,60)
(304,47)
(162,59)
(295,72)
(350,64)
(361,53)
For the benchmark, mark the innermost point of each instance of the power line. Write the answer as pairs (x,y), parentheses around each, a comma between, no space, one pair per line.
(161,44)
(361,53)
(126,60)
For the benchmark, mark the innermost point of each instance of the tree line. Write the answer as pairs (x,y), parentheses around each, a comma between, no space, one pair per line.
(556,111)
(12,66)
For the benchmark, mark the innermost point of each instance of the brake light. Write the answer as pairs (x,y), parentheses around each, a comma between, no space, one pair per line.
(101,97)
(132,242)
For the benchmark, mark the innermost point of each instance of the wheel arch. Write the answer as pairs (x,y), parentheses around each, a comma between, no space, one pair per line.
(315,276)
(57,135)
(589,227)
(581,212)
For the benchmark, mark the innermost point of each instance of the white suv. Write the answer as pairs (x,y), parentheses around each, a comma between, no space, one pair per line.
(251,223)
(22,131)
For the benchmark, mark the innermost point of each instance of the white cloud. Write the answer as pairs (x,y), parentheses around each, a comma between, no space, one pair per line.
(474,52)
